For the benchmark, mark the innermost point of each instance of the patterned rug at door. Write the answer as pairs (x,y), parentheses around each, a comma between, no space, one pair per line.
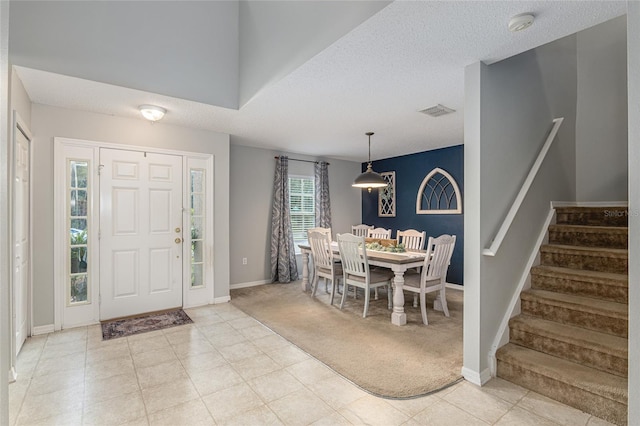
(142,324)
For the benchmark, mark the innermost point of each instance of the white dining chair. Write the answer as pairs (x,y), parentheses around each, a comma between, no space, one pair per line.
(356,272)
(434,273)
(412,239)
(380,233)
(360,230)
(323,262)
(321,230)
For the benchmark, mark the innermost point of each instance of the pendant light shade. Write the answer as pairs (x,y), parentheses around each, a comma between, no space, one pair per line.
(369,179)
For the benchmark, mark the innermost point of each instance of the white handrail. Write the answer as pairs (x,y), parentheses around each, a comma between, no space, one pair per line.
(506,224)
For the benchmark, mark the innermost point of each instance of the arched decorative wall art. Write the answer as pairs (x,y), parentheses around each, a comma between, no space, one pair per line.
(387,196)
(438,194)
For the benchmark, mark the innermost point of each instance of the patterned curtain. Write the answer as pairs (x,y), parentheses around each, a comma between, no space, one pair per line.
(283,256)
(323,204)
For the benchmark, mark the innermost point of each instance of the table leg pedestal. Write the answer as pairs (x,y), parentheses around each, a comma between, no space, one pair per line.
(305,270)
(398,317)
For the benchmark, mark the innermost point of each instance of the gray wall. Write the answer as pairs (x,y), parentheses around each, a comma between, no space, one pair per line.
(513,108)
(251,188)
(49,122)
(633,52)
(601,125)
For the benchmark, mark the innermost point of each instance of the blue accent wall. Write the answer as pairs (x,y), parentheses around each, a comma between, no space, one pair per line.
(410,172)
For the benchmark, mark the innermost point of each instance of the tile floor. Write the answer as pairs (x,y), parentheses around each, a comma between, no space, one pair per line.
(227,368)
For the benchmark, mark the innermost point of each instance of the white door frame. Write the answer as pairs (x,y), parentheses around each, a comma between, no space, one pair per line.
(92,315)
(18,125)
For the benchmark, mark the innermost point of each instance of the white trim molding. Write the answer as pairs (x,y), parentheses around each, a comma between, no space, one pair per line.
(478,379)
(248,284)
(42,329)
(223,299)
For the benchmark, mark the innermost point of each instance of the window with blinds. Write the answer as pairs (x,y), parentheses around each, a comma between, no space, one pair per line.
(301,206)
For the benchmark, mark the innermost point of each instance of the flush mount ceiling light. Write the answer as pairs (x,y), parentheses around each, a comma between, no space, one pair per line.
(369,179)
(520,22)
(152,112)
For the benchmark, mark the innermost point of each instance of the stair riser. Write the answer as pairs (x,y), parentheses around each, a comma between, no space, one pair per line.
(594,217)
(590,262)
(570,351)
(565,315)
(588,239)
(599,290)
(610,410)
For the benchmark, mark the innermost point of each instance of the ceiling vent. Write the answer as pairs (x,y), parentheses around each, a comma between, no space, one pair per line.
(437,111)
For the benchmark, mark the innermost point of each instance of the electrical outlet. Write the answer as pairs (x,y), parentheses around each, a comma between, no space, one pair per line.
(244,260)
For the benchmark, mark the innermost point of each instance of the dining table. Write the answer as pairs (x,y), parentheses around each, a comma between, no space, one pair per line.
(397,262)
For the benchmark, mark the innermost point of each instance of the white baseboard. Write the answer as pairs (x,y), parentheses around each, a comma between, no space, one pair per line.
(13,375)
(223,299)
(42,329)
(555,204)
(249,284)
(476,378)
(455,286)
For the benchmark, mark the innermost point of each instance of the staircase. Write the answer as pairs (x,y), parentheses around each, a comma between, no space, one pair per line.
(570,340)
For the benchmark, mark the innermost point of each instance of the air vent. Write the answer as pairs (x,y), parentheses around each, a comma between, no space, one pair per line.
(437,111)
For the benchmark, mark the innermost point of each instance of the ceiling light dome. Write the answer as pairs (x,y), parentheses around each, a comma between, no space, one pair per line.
(369,179)
(520,22)
(152,112)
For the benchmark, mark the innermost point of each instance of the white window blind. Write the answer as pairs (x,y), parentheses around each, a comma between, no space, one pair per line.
(301,206)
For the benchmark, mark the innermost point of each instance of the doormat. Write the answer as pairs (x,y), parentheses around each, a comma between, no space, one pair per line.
(142,324)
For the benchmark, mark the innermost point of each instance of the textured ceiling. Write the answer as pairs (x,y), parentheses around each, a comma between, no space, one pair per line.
(407,57)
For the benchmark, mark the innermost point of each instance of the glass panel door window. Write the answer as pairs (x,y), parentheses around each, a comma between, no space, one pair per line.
(78,226)
(197,194)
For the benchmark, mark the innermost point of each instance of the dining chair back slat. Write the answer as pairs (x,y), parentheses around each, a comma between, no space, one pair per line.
(324,265)
(380,233)
(360,230)
(412,239)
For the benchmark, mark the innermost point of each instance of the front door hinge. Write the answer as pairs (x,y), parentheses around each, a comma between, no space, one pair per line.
(100,167)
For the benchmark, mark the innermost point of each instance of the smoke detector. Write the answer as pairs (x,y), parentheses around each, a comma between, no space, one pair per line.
(437,111)
(520,22)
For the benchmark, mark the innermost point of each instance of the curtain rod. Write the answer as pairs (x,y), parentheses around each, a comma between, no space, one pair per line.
(304,161)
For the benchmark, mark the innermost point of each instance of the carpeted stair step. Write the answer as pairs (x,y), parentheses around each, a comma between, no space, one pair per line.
(589,236)
(596,392)
(592,216)
(585,312)
(600,285)
(587,347)
(588,258)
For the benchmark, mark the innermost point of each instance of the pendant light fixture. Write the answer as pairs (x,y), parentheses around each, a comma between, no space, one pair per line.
(369,179)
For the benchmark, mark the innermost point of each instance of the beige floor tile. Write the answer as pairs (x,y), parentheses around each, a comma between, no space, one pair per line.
(503,389)
(413,406)
(310,371)
(244,322)
(216,379)
(216,329)
(192,413)
(99,390)
(107,349)
(336,391)
(220,341)
(255,366)
(141,421)
(300,408)
(63,419)
(167,372)
(444,414)
(270,343)
(595,421)
(169,394)
(474,400)
(55,365)
(201,362)
(114,411)
(154,357)
(256,332)
(193,347)
(288,355)
(239,351)
(17,392)
(553,410)
(231,315)
(372,410)
(36,407)
(145,336)
(54,382)
(210,319)
(63,350)
(109,367)
(521,417)
(231,402)
(262,416)
(333,419)
(275,385)
(149,344)
(184,333)
(67,336)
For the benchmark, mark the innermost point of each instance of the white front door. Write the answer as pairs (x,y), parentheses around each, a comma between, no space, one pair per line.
(141,218)
(21,263)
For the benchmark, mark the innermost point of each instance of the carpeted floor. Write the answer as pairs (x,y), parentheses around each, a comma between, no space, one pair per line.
(142,324)
(384,359)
